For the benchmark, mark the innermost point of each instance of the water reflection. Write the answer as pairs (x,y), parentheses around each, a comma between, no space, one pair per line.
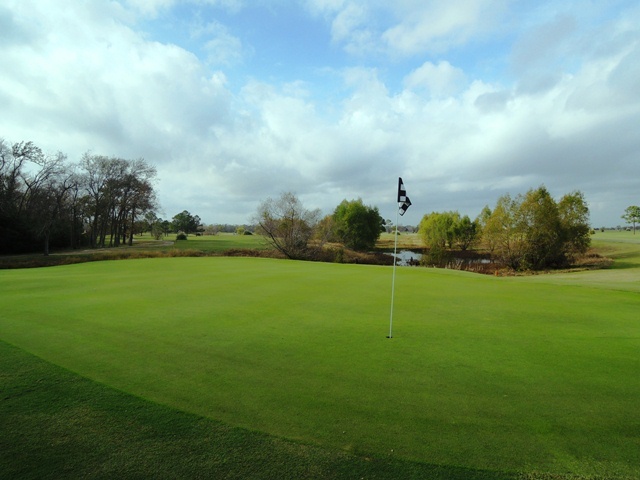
(411,258)
(407,257)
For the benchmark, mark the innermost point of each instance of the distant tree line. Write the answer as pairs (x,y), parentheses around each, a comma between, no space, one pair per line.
(530,231)
(46,201)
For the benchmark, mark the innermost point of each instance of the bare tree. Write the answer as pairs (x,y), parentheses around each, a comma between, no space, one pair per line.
(118,193)
(42,197)
(53,201)
(287,225)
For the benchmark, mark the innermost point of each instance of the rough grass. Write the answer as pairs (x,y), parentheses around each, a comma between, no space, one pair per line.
(221,242)
(146,247)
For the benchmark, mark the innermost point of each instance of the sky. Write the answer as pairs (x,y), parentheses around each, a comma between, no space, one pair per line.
(238,101)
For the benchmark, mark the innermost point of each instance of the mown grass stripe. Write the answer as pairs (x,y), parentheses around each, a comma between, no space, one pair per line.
(56,425)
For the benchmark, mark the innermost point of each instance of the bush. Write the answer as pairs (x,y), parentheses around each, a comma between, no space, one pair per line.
(181,236)
(357,225)
(437,256)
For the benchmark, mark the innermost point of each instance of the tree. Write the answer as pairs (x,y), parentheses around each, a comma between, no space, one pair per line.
(137,196)
(465,232)
(357,225)
(37,195)
(437,229)
(287,225)
(632,215)
(45,199)
(155,225)
(118,192)
(532,231)
(185,222)
(95,176)
(52,200)
(325,231)
(574,218)
(13,227)
(499,232)
(538,225)
(211,229)
(486,229)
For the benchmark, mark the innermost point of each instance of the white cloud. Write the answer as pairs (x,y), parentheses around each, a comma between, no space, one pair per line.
(442,79)
(407,27)
(109,86)
(352,23)
(152,8)
(221,47)
(437,26)
(82,77)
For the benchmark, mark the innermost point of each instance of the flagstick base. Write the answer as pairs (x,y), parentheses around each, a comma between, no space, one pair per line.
(389,336)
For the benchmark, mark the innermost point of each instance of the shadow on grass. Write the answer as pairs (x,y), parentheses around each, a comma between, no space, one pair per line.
(55,424)
(625,260)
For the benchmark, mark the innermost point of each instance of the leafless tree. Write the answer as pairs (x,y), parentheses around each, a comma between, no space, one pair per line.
(287,225)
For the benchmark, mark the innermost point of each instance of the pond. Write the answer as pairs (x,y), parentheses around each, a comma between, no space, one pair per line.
(409,257)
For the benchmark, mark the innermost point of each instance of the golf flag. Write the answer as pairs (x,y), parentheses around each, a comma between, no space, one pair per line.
(403,205)
(403,200)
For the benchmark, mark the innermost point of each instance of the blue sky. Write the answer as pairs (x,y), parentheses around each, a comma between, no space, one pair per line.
(236,101)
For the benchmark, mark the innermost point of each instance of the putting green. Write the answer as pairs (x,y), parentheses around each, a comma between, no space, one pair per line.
(494,373)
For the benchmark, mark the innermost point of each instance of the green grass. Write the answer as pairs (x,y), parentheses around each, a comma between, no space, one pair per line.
(519,375)
(58,425)
(623,247)
(144,246)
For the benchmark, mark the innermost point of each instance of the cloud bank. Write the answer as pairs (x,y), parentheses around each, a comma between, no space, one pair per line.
(465,101)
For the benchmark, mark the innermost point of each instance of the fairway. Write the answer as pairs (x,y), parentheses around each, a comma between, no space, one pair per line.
(532,374)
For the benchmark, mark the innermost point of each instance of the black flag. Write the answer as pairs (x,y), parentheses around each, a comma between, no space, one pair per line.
(403,201)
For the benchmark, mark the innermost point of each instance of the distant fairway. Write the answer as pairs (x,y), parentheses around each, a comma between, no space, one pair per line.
(526,374)
(221,242)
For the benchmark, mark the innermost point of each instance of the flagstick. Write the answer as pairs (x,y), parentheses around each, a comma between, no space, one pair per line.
(393,281)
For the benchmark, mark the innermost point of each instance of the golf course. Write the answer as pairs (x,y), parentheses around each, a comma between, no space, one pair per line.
(239,367)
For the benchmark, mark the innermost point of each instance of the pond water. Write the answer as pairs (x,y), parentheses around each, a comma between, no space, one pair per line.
(408,257)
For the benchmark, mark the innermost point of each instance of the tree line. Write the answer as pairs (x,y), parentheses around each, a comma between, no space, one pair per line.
(47,201)
(529,231)
(526,232)
(103,201)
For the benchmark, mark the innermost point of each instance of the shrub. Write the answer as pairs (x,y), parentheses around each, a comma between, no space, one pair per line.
(181,236)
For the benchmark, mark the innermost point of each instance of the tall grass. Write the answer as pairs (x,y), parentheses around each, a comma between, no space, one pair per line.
(222,242)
